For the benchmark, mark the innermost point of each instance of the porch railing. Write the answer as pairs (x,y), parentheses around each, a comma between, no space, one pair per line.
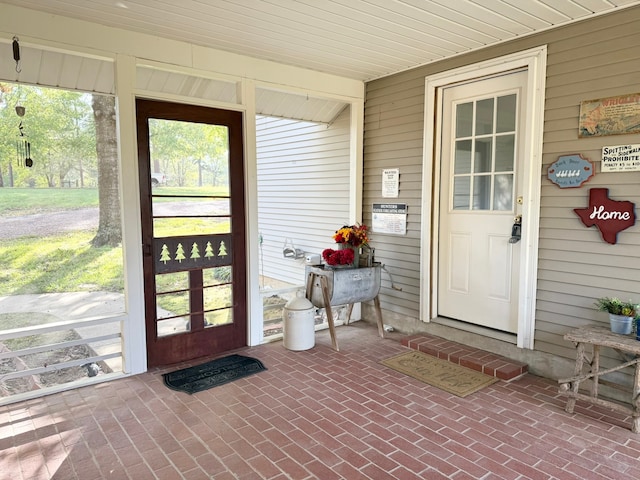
(29,367)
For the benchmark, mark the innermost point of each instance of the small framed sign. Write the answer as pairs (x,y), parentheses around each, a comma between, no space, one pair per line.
(610,116)
(390,218)
(390,182)
(621,158)
(570,171)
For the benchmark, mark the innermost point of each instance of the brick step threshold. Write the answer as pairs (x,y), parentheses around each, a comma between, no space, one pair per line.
(476,359)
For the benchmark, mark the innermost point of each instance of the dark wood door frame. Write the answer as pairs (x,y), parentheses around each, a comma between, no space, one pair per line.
(199,341)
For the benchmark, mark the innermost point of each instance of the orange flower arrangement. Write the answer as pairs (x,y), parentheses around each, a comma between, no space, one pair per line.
(354,235)
(351,237)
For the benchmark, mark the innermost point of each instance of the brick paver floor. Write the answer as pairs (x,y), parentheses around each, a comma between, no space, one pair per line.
(315,414)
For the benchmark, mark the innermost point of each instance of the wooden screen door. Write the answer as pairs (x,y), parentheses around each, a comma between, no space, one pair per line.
(480,199)
(193,230)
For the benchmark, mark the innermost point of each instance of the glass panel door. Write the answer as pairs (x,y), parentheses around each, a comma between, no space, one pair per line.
(193,230)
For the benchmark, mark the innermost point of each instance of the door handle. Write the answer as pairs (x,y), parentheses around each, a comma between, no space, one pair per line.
(516,230)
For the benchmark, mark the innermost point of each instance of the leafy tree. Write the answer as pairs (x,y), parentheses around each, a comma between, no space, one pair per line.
(217,159)
(9,123)
(59,126)
(186,151)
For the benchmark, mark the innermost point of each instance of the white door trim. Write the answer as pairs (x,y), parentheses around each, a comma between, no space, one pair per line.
(535,61)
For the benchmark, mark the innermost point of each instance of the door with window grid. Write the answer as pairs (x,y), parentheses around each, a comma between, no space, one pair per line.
(480,199)
(193,230)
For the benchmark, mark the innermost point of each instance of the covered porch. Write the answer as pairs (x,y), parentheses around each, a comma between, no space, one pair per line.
(314,414)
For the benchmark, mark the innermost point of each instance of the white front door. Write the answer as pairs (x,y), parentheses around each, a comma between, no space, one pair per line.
(481,175)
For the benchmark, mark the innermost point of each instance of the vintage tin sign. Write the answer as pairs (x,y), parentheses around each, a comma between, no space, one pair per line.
(570,171)
(621,158)
(610,116)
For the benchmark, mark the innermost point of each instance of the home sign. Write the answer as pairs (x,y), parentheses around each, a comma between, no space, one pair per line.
(609,216)
(570,171)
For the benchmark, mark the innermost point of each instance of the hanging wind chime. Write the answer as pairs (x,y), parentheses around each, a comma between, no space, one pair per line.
(23,146)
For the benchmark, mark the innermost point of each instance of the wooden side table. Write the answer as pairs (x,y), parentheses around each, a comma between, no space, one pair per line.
(629,350)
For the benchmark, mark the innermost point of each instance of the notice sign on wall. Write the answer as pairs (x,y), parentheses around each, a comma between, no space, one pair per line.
(390,218)
(390,182)
(621,158)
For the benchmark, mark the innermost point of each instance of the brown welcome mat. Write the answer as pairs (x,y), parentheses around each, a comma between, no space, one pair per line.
(447,376)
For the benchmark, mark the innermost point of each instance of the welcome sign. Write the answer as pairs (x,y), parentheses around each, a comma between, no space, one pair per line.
(570,171)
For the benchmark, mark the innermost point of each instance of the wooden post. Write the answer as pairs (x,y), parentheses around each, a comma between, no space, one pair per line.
(332,327)
(376,301)
(571,403)
(349,311)
(595,368)
(635,400)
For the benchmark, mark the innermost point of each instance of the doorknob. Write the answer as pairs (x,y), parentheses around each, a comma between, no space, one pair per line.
(516,230)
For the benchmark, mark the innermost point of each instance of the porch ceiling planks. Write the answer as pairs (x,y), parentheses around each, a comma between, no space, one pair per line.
(355,39)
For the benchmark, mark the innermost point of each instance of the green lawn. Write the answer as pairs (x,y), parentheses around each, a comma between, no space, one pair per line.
(68,262)
(23,201)
(60,263)
(196,191)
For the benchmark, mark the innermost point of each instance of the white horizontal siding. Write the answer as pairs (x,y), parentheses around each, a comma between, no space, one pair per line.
(303,189)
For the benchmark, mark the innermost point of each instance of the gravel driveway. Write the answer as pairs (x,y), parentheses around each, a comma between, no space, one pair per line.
(51,223)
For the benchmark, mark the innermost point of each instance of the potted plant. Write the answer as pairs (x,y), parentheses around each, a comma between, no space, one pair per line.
(621,314)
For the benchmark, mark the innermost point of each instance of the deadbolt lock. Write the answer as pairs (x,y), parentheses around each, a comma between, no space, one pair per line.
(516,230)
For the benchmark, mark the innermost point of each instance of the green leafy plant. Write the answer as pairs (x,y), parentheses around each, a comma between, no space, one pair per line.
(616,306)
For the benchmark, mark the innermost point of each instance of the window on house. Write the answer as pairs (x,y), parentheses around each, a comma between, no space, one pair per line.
(484,154)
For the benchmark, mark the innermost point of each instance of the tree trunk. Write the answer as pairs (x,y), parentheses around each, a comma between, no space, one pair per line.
(109,225)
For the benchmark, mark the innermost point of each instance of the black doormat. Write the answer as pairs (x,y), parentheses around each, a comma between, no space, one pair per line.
(213,373)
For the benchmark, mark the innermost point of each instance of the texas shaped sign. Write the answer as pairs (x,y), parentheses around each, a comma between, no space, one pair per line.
(609,216)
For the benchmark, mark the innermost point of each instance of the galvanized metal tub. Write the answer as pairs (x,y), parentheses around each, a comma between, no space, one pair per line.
(345,285)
